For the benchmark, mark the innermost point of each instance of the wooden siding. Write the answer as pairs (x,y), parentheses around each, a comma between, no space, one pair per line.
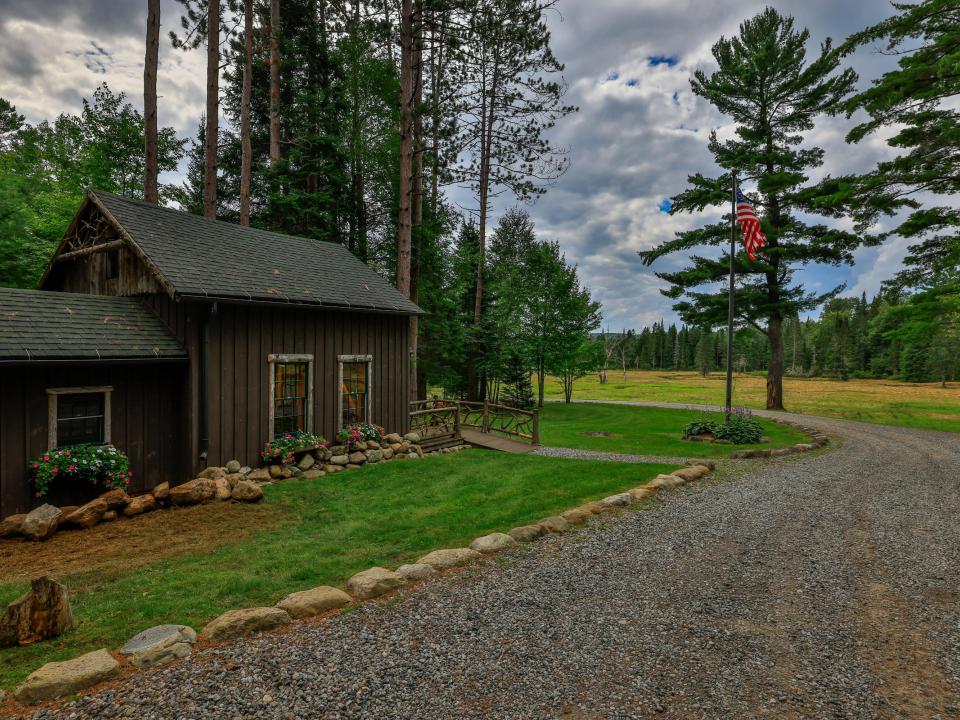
(241,338)
(145,423)
(89,275)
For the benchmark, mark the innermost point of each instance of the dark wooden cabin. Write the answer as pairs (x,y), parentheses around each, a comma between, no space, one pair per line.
(191,342)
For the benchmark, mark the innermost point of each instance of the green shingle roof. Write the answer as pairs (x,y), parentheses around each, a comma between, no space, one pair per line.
(199,257)
(45,325)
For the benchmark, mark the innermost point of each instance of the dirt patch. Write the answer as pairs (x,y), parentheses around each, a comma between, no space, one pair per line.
(130,543)
(597,433)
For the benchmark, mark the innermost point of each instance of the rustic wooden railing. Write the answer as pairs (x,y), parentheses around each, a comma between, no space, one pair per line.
(436,419)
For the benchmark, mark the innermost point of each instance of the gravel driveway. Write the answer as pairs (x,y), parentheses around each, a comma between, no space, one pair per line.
(822,586)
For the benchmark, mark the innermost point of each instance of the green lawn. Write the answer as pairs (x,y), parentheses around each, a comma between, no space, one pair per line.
(330,529)
(640,430)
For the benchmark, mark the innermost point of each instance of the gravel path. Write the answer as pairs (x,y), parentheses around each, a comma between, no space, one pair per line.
(819,586)
(575,454)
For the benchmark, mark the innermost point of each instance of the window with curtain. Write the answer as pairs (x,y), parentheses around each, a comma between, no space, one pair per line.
(354,402)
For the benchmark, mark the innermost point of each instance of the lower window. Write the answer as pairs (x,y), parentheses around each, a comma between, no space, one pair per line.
(355,389)
(78,416)
(290,389)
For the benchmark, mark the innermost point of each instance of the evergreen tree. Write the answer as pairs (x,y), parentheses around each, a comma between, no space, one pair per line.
(765,84)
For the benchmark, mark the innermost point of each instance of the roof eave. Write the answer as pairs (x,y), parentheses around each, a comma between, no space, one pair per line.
(298,303)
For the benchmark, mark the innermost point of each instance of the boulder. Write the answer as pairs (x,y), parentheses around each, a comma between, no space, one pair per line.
(689,474)
(41,613)
(665,481)
(596,507)
(619,500)
(313,473)
(159,644)
(415,571)
(357,458)
(222,489)
(239,623)
(63,678)
(306,462)
(245,470)
(804,447)
(339,459)
(41,523)
(116,499)
(396,447)
(162,491)
(141,504)
(109,516)
(374,582)
(493,542)
(338,450)
(246,491)
(412,438)
(259,475)
(330,469)
(442,559)
(314,601)
(68,509)
(233,478)
(642,493)
(86,516)
(374,456)
(193,492)
(10,525)
(393,438)
(373,445)
(554,524)
(527,533)
(276,472)
(232,466)
(212,473)
(387,453)
(576,516)
(710,465)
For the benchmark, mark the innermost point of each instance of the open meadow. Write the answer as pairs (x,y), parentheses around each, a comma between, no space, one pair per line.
(887,402)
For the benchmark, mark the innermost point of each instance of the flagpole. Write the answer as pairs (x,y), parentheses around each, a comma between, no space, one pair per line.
(728,408)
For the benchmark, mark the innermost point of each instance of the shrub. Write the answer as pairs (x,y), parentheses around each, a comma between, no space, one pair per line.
(280,450)
(355,433)
(97,464)
(740,429)
(700,427)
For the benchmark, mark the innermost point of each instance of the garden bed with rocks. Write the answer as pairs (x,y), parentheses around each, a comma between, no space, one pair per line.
(230,483)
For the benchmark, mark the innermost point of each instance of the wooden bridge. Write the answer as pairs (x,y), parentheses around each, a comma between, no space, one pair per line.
(442,423)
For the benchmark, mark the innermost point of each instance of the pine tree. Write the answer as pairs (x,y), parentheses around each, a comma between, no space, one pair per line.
(765,84)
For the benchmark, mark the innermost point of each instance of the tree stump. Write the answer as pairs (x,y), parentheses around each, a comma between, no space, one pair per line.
(44,612)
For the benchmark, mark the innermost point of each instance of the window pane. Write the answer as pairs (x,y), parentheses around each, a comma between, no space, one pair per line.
(289,397)
(80,419)
(354,392)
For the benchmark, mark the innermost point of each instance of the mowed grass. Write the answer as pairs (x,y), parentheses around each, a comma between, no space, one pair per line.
(887,402)
(641,430)
(326,530)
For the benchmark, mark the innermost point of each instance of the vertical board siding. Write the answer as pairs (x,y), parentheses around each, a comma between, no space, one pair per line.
(241,338)
(145,415)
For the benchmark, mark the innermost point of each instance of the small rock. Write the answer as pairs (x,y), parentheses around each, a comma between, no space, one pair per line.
(140,504)
(554,524)
(330,469)
(527,533)
(665,481)
(232,466)
(193,492)
(339,459)
(246,491)
(289,471)
(239,623)
(337,450)
(576,516)
(416,571)
(86,516)
(245,470)
(62,678)
(374,456)
(493,542)
(689,474)
(357,458)
(373,445)
(442,559)
(116,499)
(387,453)
(275,471)
(306,462)
(162,491)
(313,473)
(314,601)
(10,526)
(41,523)
(619,500)
(642,493)
(412,438)
(109,516)
(159,644)
(596,507)
(393,439)
(212,473)
(259,475)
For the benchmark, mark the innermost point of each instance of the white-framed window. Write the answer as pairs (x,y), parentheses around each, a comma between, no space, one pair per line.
(355,388)
(78,416)
(291,393)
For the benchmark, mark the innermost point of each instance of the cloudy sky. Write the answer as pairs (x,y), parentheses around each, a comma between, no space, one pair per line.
(638,134)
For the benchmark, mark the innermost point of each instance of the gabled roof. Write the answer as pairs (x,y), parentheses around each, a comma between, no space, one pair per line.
(45,325)
(198,257)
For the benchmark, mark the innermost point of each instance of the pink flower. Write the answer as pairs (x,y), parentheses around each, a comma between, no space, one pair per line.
(130,473)
(72,468)
(46,458)
(36,465)
(67,453)
(56,470)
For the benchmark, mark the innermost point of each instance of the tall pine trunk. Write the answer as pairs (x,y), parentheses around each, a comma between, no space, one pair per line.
(151,192)
(405,215)
(274,82)
(246,152)
(417,236)
(775,371)
(213,110)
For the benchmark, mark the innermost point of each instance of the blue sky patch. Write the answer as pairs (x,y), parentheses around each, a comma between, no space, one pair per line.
(668,60)
(613,76)
(632,82)
(665,205)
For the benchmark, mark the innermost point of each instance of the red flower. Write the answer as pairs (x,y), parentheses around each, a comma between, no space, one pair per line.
(67,453)
(46,458)
(56,470)
(36,466)
(72,468)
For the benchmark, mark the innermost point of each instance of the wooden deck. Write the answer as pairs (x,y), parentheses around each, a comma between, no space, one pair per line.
(494,442)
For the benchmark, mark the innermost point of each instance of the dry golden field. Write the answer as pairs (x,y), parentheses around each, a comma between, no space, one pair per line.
(889,402)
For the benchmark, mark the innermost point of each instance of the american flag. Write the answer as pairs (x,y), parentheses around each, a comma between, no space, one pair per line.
(753,237)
